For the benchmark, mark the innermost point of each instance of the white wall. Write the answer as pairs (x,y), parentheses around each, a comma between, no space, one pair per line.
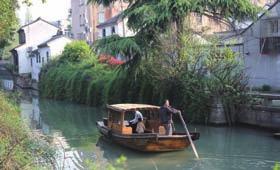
(35,34)
(262,69)
(128,32)
(55,48)
(23,61)
(118,30)
(36,67)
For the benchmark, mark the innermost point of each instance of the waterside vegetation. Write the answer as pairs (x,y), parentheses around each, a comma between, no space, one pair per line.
(19,148)
(166,58)
(191,82)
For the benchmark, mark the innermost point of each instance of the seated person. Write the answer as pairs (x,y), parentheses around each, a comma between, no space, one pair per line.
(140,126)
(133,123)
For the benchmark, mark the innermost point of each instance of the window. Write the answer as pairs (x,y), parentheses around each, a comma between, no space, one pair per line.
(80,21)
(81,36)
(113,31)
(84,19)
(43,60)
(22,39)
(39,58)
(270,45)
(101,17)
(104,32)
(48,56)
(273,25)
(101,8)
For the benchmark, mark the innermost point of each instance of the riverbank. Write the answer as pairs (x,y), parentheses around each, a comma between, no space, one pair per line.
(19,147)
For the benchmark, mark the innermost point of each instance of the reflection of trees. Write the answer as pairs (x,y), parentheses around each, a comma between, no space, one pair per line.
(76,122)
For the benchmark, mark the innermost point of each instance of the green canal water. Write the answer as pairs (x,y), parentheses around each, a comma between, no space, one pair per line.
(220,148)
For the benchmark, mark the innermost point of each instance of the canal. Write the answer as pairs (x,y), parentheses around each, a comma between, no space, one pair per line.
(73,129)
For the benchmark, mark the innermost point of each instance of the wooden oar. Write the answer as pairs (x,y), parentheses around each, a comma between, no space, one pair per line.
(189,135)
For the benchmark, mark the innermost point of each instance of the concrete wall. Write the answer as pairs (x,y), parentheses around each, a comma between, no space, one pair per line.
(262,69)
(261,116)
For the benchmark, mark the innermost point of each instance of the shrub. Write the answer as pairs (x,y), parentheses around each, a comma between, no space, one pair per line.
(76,51)
(189,80)
(277,166)
(266,88)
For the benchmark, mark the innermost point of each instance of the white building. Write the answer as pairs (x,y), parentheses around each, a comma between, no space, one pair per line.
(45,52)
(261,43)
(259,46)
(30,36)
(115,25)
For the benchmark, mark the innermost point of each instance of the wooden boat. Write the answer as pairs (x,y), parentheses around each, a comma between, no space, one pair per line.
(116,129)
(276,135)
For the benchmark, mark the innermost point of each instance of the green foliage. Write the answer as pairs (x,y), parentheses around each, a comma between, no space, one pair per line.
(126,46)
(75,52)
(19,149)
(82,82)
(185,68)
(151,18)
(266,88)
(8,21)
(191,80)
(277,166)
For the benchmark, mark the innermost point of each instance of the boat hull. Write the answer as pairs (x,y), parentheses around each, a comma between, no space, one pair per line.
(276,135)
(148,142)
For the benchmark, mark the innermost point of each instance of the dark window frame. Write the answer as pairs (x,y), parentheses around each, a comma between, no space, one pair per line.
(39,56)
(22,37)
(270,45)
(113,30)
(104,32)
(48,56)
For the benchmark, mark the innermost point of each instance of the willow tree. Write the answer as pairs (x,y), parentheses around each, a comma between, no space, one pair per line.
(8,21)
(151,18)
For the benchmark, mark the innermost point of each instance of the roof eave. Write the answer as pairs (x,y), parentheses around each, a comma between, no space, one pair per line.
(272,6)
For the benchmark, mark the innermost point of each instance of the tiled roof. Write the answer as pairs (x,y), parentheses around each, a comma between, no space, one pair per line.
(111,21)
(38,19)
(44,44)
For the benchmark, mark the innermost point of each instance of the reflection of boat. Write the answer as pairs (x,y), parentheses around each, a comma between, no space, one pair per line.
(153,140)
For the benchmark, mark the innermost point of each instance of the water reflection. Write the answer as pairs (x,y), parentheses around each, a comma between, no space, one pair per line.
(50,119)
(73,129)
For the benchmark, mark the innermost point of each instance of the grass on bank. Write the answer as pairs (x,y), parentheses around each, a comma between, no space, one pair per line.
(19,148)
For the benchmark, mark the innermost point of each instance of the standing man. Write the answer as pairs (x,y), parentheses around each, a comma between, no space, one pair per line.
(166,113)
(133,123)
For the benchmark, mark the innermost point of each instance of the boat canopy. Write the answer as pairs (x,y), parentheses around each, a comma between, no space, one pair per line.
(130,107)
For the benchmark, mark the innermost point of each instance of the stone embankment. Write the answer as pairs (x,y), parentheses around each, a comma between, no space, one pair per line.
(265,113)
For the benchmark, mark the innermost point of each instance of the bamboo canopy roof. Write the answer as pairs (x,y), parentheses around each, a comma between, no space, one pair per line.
(131,107)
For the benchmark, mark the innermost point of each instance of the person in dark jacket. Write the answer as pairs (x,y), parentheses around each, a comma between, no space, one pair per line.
(166,113)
